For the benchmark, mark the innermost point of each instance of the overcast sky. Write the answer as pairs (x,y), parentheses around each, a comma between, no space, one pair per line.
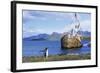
(36,22)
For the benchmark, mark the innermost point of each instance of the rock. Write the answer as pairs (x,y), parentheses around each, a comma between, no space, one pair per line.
(89,45)
(73,42)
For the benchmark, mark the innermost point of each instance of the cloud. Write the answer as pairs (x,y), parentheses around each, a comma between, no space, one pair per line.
(43,15)
(84,26)
(27,32)
(31,15)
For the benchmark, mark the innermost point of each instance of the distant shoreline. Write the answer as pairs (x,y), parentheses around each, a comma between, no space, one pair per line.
(42,39)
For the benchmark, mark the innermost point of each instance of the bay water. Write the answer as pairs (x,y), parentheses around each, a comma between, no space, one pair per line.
(34,48)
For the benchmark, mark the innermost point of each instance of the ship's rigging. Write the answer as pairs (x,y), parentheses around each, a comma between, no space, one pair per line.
(74,32)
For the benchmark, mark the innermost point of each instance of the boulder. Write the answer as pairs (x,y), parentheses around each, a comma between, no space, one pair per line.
(73,42)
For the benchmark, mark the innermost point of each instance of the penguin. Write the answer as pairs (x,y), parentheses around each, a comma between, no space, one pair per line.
(45,52)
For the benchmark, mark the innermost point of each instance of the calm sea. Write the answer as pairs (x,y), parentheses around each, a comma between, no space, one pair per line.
(34,48)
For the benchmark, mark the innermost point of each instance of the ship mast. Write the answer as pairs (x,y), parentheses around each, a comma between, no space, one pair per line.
(74,31)
(77,27)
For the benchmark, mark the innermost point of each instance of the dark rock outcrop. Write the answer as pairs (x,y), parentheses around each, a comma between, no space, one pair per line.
(72,42)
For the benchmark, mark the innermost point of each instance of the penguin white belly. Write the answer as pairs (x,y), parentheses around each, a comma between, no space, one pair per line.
(47,53)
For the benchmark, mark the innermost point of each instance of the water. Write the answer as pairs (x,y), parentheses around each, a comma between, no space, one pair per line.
(34,48)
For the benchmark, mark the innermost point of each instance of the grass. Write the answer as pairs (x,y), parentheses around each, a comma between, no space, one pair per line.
(86,38)
(56,58)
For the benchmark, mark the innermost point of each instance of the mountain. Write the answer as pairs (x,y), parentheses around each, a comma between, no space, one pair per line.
(38,37)
(54,36)
(85,33)
(45,36)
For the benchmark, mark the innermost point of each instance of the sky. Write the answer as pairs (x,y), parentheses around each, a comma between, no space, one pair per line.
(38,22)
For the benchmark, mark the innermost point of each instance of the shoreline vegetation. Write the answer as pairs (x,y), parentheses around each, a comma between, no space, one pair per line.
(86,38)
(61,57)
